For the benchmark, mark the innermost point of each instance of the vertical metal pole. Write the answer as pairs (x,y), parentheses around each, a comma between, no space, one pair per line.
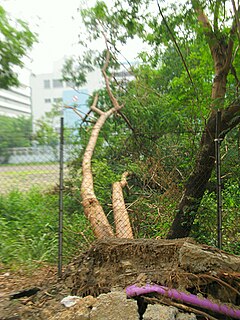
(219,187)
(60,223)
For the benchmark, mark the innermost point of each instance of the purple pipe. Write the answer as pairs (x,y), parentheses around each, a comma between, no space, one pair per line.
(134,290)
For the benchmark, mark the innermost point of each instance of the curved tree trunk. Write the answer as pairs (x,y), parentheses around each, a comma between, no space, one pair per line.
(92,208)
(196,184)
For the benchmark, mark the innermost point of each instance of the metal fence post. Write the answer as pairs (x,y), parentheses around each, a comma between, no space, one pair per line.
(60,222)
(218,173)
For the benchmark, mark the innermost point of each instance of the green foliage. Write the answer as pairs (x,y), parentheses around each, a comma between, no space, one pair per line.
(205,227)
(29,228)
(16,39)
(14,132)
(104,177)
(75,70)
(46,133)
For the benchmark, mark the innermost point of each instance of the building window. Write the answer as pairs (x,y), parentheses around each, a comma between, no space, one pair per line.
(122,74)
(70,84)
(57,100)
(47,100)
(57,83)
(46,84)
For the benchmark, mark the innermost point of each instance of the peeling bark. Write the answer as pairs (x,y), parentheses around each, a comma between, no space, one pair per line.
(92,208)
(121,218)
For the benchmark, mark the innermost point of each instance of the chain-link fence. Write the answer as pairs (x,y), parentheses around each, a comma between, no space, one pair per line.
(151,194)
(25,167)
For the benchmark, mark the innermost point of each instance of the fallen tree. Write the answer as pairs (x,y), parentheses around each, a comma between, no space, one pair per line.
(222,45)
(92,207)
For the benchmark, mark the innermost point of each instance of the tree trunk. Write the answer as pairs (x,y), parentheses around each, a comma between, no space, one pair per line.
(196,184)
(92,208)
(121,218)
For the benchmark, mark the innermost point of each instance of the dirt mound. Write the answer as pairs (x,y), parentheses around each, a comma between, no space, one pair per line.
(113,264)
(117,263)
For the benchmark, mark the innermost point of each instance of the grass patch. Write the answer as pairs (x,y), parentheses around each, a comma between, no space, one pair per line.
(25,177)
(28,164)
(33,171)
(29,228)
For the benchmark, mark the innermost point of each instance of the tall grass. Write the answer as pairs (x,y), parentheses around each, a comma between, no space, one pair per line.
(29,228)
(29,225)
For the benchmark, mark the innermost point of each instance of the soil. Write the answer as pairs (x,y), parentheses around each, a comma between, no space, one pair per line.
(116,263)
(15,282)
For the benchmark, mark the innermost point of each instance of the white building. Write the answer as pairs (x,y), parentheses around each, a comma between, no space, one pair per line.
(15,102)
(48,89)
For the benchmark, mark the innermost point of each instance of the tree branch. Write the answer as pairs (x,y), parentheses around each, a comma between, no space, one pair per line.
(75,110)
(177,47)
(231,42)
(236,17)
(204,22)
(121,218)
(230,117)
(111,96)
(216,15)
(126,120)
(98,111)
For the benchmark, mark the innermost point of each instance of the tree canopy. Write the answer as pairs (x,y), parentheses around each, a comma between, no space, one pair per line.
(15,40)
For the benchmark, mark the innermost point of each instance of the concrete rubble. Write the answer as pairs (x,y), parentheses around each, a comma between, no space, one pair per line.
(116,306)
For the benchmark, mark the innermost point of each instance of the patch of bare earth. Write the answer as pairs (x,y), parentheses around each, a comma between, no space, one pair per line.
(43,281)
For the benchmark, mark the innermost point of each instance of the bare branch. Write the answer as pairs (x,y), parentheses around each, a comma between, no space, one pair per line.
(121,218)
(94,106)
(95,101)
(75,110)
(111,96)
(98,111)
